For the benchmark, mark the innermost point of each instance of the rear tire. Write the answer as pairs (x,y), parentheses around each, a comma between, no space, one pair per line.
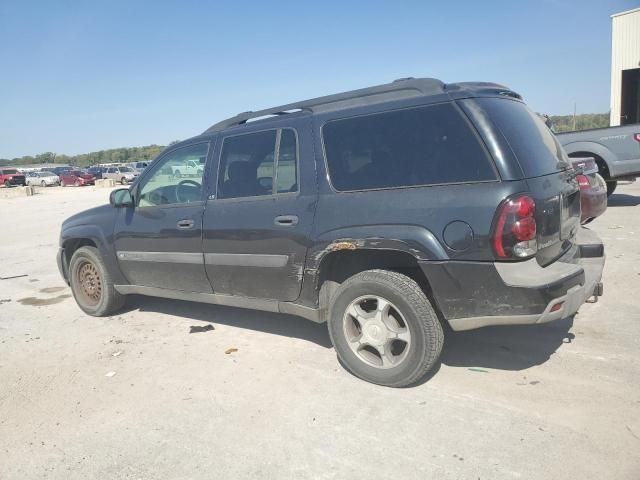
(91,284)
(611,187)
(396,348)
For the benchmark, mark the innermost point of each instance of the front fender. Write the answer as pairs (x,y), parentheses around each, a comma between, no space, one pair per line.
(69,236)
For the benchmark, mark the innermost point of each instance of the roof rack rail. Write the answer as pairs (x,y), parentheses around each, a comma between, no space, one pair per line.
(421,86)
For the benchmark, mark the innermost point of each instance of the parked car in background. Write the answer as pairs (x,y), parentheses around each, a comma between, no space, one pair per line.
(192,168)
(43,179)
(138,166)
(77,178)
(593,189)
(10,177)
(59,170)
(123,175)
(616,151)
(327,209)
(96,171)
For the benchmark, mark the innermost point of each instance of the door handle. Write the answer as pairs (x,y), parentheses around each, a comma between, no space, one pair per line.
(286,220)
(185,224)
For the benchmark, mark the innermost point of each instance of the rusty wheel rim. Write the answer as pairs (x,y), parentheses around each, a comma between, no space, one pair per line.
(89,282)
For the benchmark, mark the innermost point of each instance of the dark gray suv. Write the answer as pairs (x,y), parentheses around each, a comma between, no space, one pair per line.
(386,212)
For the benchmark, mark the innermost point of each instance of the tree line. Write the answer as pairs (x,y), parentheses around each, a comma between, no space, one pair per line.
(561,123)
(584,121)
(114,155)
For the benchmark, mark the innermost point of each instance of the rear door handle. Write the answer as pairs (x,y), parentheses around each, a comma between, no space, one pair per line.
(185,224)
(286,220)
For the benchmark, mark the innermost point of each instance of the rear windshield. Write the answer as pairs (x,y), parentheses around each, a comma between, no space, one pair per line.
(417,146)
(537,149)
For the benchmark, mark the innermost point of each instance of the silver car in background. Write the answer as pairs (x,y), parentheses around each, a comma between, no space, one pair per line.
(42,179)
(123,175)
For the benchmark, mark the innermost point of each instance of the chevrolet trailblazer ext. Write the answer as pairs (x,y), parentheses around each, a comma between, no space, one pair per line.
(385,212)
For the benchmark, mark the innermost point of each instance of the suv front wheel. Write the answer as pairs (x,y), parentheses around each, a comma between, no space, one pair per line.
(384,328)
(91,285)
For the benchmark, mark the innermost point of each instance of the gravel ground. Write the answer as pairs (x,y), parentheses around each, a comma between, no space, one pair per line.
(137,395)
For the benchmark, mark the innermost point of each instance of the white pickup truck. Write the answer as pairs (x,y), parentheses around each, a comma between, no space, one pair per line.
(188,169)
(615,149)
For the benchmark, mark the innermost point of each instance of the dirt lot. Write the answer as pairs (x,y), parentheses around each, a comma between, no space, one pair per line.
(139,396)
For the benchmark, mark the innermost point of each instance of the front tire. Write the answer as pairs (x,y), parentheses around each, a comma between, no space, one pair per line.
(384,328)
(611,187)
(91,284)
(43,184)
(123,181)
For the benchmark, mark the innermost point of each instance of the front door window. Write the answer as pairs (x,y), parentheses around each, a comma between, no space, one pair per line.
(177,178)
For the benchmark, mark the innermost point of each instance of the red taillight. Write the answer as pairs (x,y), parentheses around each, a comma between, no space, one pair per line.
(636,137)
(583,181)
(514,234)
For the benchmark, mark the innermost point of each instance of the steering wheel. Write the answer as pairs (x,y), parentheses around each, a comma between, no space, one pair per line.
(181,184)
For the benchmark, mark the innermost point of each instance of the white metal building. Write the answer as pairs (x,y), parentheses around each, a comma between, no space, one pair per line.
(625,67)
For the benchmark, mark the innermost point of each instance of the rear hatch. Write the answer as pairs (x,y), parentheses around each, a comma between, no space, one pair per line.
(547,171)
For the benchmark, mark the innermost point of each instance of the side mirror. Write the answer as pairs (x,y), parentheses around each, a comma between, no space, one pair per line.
(121,197)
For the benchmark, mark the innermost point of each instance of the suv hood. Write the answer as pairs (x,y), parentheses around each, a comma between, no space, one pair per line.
(93,216)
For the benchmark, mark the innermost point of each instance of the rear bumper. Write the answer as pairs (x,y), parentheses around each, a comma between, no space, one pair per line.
(477,294)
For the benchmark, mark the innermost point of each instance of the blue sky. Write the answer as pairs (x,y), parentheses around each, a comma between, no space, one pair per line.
(87,75)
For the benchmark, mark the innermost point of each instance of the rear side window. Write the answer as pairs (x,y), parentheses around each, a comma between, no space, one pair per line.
(536,147)
(420,146)
(252,164)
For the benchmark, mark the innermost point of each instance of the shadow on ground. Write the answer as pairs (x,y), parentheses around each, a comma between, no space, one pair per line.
(623,200)
(504,348)
(267,322)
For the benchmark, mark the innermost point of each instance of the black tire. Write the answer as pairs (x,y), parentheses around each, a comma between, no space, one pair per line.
(611,187)
(123,181)
(409,300)
(43,184)
(109,300)
(7,183)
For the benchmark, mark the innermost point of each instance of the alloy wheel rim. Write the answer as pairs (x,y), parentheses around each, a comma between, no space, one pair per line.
(376,332)
(90,283)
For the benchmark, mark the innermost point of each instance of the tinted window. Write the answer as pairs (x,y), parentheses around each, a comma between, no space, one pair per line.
(9,172)
(537,149)
(287,169)
(420,146)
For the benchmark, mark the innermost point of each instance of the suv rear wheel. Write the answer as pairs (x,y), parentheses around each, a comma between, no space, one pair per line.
(91,285)
(384,329)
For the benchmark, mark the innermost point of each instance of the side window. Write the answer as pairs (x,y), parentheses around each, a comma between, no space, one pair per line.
(111,170)
(172,181)
(287,169)
(249,167)
(246,165)
(419,146)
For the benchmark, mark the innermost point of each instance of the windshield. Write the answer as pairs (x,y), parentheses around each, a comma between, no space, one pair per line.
(536,147)
(47,174)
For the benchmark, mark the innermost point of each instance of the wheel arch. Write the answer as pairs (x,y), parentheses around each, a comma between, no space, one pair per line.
(87,235)
(344,256)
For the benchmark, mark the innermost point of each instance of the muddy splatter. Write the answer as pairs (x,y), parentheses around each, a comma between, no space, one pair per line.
(52,289)
(41,302)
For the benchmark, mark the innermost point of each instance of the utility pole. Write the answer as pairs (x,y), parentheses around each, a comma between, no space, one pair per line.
(574,116)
